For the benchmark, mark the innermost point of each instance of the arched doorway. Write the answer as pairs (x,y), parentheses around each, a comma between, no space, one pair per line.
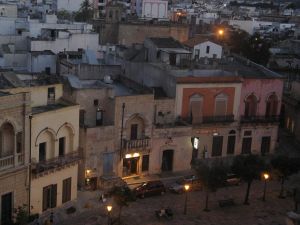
(167,160)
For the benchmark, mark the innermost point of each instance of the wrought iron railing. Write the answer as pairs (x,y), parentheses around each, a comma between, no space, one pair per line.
(55,163)
(260,119)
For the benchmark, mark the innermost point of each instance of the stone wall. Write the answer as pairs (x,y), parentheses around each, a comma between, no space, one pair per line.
(131,33)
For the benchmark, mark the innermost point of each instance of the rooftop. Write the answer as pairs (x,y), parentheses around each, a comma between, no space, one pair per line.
(165,42)
(200,39)
(51,107)
(121,87)
(9,79)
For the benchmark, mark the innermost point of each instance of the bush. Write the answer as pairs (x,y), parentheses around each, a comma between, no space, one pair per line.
(70,210)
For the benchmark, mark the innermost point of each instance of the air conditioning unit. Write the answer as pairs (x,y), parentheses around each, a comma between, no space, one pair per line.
(107,79)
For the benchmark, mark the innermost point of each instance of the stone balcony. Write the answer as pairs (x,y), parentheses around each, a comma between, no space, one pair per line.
(139,145)
(50,166)
(11,161)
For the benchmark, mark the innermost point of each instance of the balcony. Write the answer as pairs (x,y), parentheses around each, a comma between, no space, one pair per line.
(260,119)
(218,119)
(130,146)
(57,163)
(11,161)
(212,120)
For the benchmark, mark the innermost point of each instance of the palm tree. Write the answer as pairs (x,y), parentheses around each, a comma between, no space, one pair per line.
(284,167)
(248,168)
(122,195)
(212,177)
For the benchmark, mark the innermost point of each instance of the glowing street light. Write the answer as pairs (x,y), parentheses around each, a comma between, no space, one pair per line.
(221,32)
(186,188)
(266,176)
(109,208)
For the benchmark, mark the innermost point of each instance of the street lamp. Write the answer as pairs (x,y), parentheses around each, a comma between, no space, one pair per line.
(186,188)
(109,208)
(221,32)
(266,176)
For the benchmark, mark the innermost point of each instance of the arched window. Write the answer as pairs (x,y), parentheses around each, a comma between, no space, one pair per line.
(272,105)
(135,128)
(65,140)
(251,106)
(196,105)
(221,105)
(7,140)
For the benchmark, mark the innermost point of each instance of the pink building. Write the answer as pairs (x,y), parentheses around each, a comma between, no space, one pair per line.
(259,114)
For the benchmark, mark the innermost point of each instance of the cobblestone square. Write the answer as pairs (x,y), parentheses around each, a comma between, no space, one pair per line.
(141,212)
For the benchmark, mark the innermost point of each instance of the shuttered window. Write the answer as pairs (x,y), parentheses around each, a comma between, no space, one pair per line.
(221,105)
(67,189)
(217,146)
(196,104)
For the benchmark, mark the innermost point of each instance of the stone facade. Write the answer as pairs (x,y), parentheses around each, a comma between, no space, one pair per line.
(131,33)
(14,152)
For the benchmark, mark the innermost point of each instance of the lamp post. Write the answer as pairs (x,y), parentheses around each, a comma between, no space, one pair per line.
(109,208)
(186,188)
(266,177)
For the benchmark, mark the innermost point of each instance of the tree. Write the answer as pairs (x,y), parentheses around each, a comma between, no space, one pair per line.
(85,12)
(22,215)
(212,177)
(64,15)
(294,183)
(248,168)
(284,167)
(122,195)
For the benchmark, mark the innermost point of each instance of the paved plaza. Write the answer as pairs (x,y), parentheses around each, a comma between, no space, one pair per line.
(141,212)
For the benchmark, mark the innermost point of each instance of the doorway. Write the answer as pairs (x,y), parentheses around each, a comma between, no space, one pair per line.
(167,160)
(42,152)
(133,132)
(6,209)
(130,166)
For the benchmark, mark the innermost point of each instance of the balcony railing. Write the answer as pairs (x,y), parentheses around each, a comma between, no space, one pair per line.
(212,119)
(139,144)
(55,163)
(218,119)
(260,119)
(11,161)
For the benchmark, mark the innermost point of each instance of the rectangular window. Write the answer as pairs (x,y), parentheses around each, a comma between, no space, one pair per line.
(230,145)
(246,146)
(265,145)
(49,196)
(145,163)
(99,117)
(67,189)
(207,49)
(61,146)
(51,95)
(197,53)
(42,151)
(217,146)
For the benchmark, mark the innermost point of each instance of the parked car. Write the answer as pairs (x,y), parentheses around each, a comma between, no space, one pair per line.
(150,188)
(232,179)
(193,181)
